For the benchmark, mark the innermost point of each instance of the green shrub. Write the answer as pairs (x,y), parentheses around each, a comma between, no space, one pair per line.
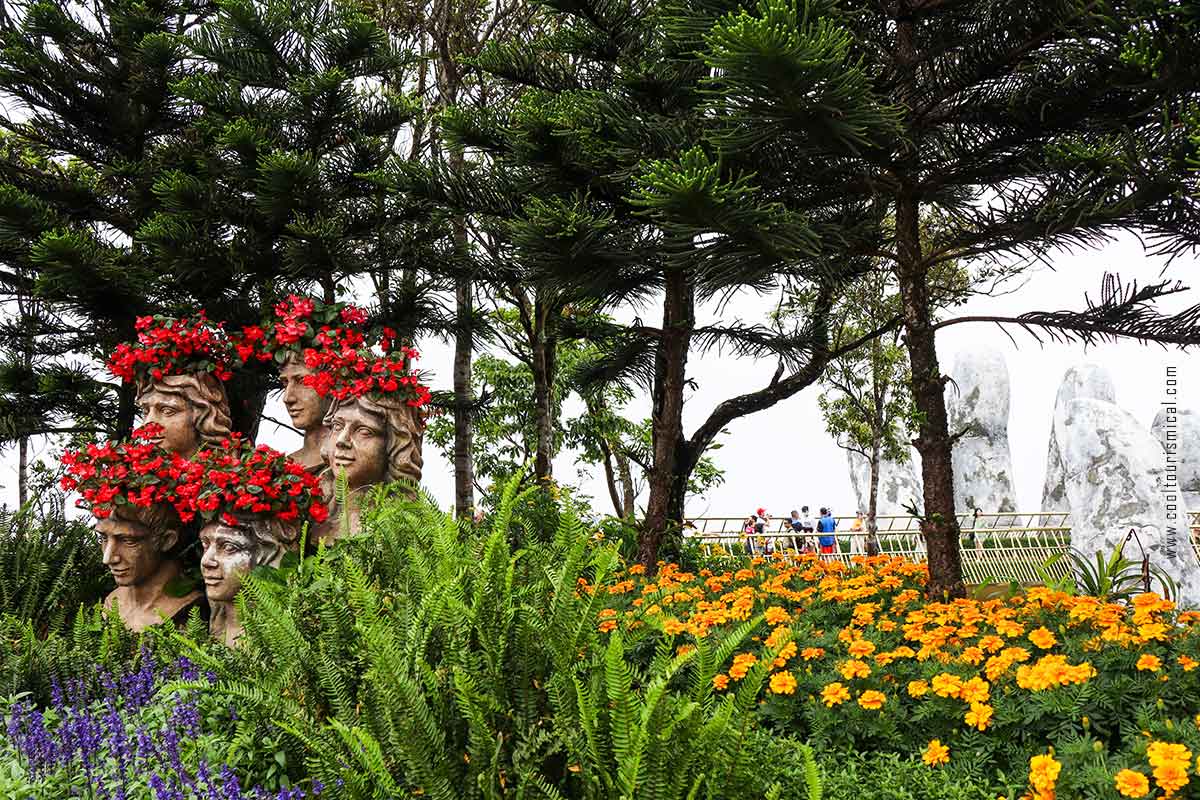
(887,776)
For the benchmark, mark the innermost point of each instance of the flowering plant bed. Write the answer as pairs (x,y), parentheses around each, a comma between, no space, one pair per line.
(1042,693)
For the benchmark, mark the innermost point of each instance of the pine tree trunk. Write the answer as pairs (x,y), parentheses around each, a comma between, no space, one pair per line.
(22,471)
(939,522)
(628,496)
(544,362)
(872,543)
(670,372)
(464,465)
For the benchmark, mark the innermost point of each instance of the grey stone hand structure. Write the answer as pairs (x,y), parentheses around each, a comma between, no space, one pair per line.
(978,410)
(1084,381)
(1114,473)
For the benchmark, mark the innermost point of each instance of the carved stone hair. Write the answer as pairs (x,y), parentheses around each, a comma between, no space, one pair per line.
(204,391)
(267,534)
(159,520)
(405,427)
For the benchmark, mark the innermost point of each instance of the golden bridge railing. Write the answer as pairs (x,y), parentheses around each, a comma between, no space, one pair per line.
(1001,547)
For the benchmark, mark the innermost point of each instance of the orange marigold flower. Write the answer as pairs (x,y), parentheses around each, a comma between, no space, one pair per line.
(1043,638)
(783,683)
(946,685)
(673,626)
(777,616)
(1043,773)
(1149,663)
(809,653)
(1159,753)
(917,688)
(872,700)
(834,694)
(976,690)
(936,753)
(1171,777)
(607,625)
(720,682)
(1187,663)
(1132,783)
(854,669)
(861,648)
(979,716)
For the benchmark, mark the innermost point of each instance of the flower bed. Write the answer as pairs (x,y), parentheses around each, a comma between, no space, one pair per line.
(1042,693)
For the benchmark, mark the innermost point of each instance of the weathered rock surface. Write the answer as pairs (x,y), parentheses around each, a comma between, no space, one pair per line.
(1178,430)
(1079,382)
(982,457)
(899,484)
(1114,473)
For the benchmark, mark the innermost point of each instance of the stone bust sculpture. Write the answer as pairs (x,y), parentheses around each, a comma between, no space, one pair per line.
(140,547)
(192,409)
(231,551)
(372,439)
(307,410)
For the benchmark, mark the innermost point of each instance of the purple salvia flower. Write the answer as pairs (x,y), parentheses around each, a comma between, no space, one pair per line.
(231,787)
(187,670)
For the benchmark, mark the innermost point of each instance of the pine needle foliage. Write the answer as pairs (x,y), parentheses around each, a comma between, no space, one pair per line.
(426,658)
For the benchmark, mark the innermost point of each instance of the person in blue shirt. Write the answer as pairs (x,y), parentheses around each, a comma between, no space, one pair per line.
(826,525)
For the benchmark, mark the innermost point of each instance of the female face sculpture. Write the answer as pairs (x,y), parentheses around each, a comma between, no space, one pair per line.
(306,408)
(192,410)
(139,548)
(133,552)
(232,551)
(373,440)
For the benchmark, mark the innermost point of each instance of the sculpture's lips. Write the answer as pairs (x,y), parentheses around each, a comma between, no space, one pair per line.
(211,581)
(342,461)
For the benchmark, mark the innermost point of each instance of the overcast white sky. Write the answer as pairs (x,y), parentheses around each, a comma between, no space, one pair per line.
(782,458)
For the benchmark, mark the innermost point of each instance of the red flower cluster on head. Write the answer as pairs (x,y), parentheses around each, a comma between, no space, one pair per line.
(341,370)
(168,346)
(238,478)
(135,472)
(300,323)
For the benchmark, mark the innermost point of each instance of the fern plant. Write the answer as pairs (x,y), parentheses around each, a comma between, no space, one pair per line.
(425,657)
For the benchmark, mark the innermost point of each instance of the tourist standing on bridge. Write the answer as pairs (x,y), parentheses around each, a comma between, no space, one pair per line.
(825,530)
(806,521)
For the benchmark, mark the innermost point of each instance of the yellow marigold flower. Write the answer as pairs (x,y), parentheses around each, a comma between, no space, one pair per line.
(809,653)
(783,683)
(854,669)
(861,648)
(972,656)
(936,753)
(742,663)
(991,643)
(1043,638)
(720,682)
(673,626)
(1188,663)
(1149,663)
(1043,773)
(834,694)
(1159,753)
(777,616)
(1132,783)
(872,700)
(979,716)
(946,685)
(785,654)
(976,690)
(1171,777)
(917,688)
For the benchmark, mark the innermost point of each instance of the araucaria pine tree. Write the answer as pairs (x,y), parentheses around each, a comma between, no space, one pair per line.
(613,156)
